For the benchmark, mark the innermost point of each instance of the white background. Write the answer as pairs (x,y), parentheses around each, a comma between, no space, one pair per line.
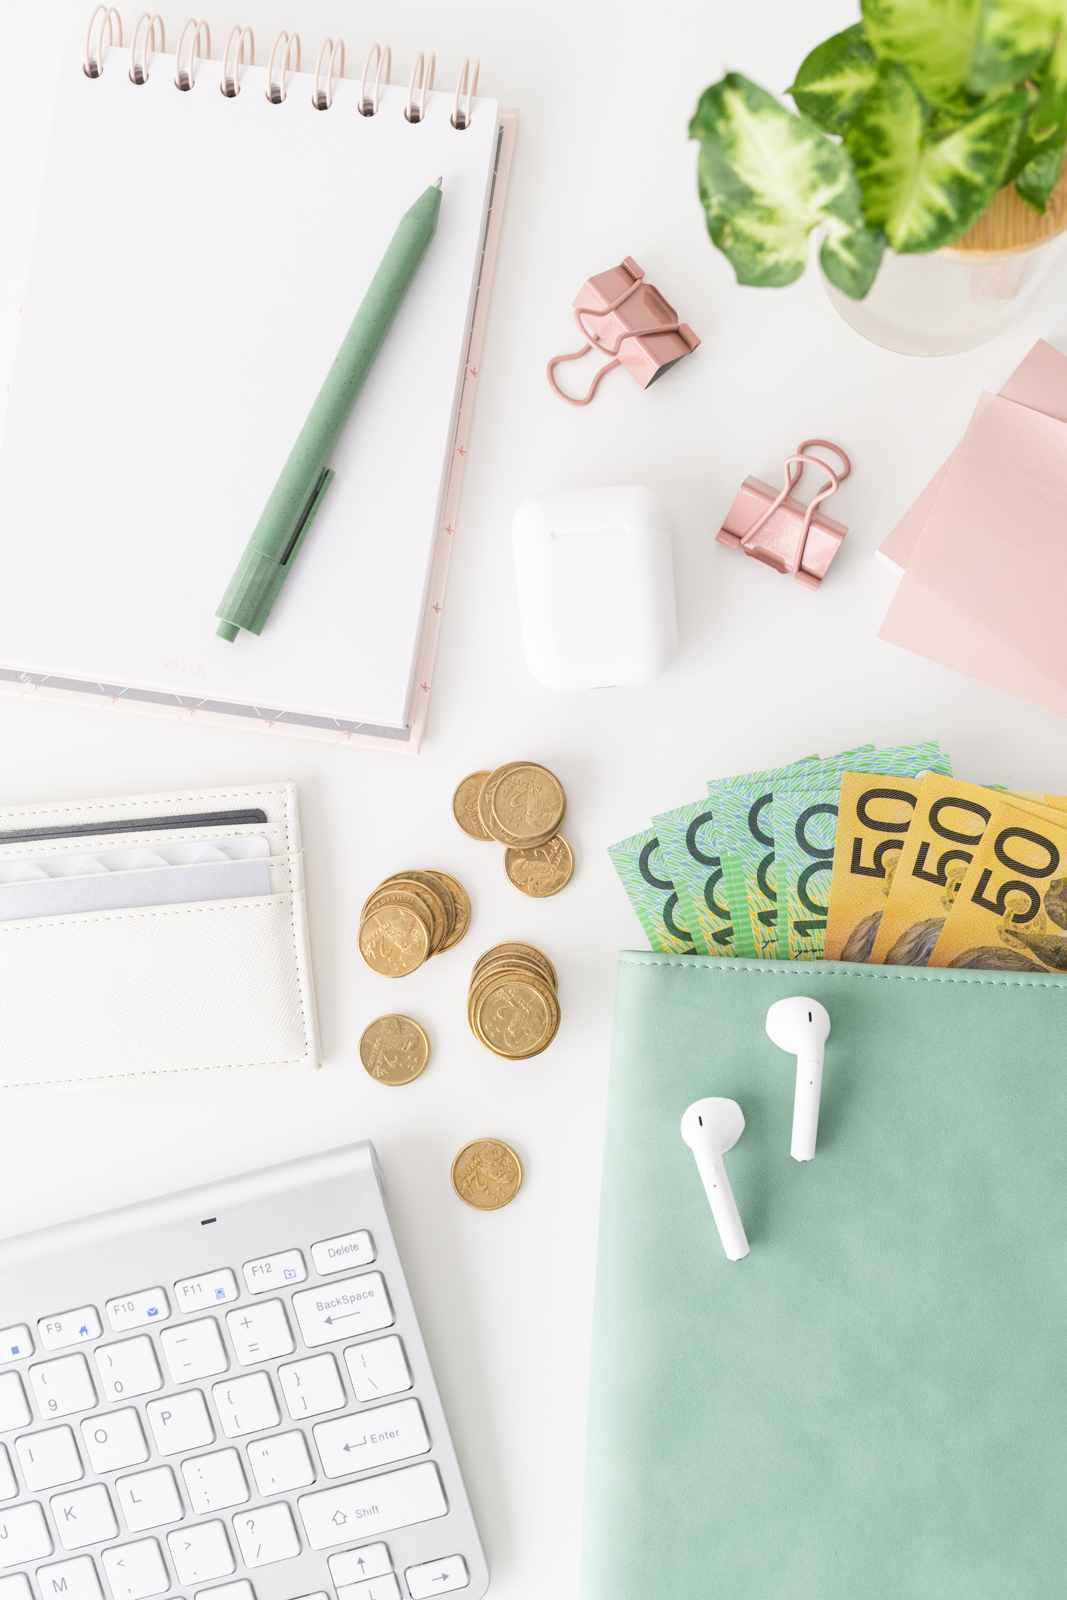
(766,672)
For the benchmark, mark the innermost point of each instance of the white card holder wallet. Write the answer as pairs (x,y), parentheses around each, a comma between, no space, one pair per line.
(206,986)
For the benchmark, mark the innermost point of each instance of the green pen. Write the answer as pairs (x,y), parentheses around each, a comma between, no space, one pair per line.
(305,478)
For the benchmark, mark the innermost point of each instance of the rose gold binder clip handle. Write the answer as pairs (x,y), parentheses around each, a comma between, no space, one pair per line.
(794,470)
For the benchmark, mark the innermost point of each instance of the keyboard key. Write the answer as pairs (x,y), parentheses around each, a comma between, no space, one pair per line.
(385,1588)
(194,1351)
(49,1459)
(17,1587)
(312,1387)
(246,1405)
(374,1505)
(15,1343)
(260,1333)
(63,1386)
(136,1571)
(201,1553)
(378,1368)
(271,1272)
(24,1535)
(347,1250)
(242,1590)
(70,1580)
(212,1289)
(114,1441)
(266,1535)
(371,1438)
(138,1310)
(71,1327)
(358,1305)
(215,1482)
(180,1423)
(128,1369)
(8,1486)
(83,1516)
(149,1499)
(14,1411)
(353,1566)
(281,1463)
(437,1577)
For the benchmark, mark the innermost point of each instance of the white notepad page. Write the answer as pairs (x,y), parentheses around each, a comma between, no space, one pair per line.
(197,262)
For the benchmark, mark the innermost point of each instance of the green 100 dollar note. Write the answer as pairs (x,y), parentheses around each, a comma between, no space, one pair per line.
(651,891)
(690,849)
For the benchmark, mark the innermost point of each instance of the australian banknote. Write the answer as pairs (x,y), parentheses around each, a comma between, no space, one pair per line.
(651,891)
(1010,912)
(873,818)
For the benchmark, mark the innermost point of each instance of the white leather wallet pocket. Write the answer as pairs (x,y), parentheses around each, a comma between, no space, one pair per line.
(210,987)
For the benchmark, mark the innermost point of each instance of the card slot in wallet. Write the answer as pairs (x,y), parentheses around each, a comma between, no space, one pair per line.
(172,969)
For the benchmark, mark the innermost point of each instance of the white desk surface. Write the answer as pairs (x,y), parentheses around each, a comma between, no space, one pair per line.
(766,672)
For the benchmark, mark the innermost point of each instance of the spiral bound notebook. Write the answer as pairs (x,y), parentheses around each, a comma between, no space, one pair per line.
(199,256)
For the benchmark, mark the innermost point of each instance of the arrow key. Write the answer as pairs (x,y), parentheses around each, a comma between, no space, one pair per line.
(437,1577)
(355,1566)
(384,1588)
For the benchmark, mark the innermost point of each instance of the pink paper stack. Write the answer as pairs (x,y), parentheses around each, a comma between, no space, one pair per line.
(983,550)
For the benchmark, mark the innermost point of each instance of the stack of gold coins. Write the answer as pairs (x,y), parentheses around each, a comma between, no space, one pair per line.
(521,806)
(411,917)
(511,1005)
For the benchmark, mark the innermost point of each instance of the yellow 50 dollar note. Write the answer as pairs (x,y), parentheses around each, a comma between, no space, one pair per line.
(873,818)
(1011,909)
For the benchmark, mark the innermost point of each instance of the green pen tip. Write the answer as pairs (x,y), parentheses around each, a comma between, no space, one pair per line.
(227,630)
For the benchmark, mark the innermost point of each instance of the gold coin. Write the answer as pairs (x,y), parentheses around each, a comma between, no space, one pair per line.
(528,950)
(527,804)
(486,819)
(394,940)
(517,966)
(394,1050)
(398,894)
(486,1174)
(462,904)
(465,806)
(540,869)
(437,899)
(516,1017)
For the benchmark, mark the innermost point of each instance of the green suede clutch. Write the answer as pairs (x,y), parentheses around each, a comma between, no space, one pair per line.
(873,1404)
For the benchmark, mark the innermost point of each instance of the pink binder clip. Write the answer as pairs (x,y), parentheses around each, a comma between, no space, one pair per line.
(782,532)
(629,320)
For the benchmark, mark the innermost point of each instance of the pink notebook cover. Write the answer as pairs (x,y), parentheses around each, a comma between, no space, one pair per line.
(1038,382)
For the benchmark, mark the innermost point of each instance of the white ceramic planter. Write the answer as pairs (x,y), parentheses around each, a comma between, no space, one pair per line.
(939,304)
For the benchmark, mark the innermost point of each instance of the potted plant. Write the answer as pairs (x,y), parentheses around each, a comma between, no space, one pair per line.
(927,147)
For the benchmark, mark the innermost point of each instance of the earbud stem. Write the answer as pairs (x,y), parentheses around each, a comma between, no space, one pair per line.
(723,1207)
(806,1108)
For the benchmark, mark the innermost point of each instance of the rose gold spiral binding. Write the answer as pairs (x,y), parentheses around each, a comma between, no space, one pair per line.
(422,81)
(461,115)
(369,108)
(94,63)
(322,99)
(139,60)
(276,91)
(184,77)
(230,84)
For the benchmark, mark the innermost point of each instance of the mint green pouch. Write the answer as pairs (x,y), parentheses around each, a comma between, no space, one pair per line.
(873,1404)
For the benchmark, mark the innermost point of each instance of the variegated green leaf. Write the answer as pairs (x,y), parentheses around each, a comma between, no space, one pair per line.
(1035,180)
(767,178)
(1051,107)
(934,39)
(834,78)
(1014,37)
(925,191)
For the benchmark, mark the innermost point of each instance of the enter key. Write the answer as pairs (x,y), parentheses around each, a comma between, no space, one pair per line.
(371,1438)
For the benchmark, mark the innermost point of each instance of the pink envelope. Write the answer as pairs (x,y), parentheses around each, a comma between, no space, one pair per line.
(1039,382)
(985,588)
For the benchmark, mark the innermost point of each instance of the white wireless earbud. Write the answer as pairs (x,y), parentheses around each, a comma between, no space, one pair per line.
(710,1127)
(801,1026)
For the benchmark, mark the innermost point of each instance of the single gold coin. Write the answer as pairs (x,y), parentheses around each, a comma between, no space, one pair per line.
(516,1017)
(527,804)
(486,1174)
(394,940)
(512,949)
(465,806)
(394,1050)
(540,869)
(461,902)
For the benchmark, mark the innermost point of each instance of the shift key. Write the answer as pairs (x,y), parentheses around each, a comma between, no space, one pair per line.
(343,1310)
(373,1505)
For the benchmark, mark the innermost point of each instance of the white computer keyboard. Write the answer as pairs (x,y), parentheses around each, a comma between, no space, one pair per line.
(224,1395)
